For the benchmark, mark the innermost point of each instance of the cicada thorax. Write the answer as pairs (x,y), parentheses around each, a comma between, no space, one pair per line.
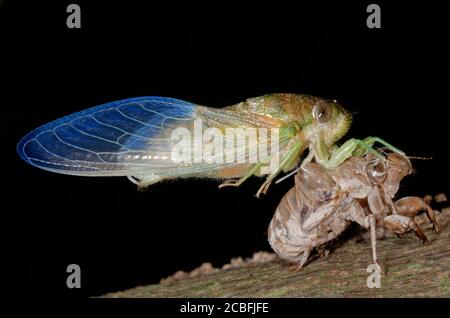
(267,119)
(352,177)
(284,108)
(293,115)
(313,122)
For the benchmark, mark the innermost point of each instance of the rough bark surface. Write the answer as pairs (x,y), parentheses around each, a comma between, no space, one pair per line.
(412,270)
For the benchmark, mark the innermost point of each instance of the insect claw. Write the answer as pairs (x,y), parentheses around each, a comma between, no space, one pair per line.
(258,194)
(265,186)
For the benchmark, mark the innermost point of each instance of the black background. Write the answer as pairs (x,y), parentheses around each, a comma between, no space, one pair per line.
(395,79)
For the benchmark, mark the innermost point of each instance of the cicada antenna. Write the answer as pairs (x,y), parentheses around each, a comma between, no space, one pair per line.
(419,158)
(383,150)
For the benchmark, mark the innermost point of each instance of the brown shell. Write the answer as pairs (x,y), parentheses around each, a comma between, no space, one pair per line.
(318,208)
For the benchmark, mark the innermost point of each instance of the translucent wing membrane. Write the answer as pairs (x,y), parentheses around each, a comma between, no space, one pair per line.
(133,137)
(117,138)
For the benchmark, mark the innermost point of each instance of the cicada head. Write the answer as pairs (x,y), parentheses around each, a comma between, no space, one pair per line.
(325,118)
(332,120)
(398,167)
(387,172)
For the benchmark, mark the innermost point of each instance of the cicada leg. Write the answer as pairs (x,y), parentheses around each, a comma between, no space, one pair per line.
(236,183)
(352,147)
(373,240)
(342,153)
(144,181)
(370,141)
(302,260)
(400,224)
(411,206)
(287,162)
(357,215)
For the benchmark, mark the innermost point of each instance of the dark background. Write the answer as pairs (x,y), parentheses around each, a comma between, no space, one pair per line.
(396,80)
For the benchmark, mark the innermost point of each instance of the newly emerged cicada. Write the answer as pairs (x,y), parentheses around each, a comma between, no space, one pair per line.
(149,139)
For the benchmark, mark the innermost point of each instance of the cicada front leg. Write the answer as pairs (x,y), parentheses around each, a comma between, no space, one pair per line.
(400,224)
(338,155)
(411,206)
(368,142)
(402,220)
(352,147)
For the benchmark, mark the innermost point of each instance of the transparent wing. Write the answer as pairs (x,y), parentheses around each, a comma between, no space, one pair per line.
(116,138)
(130,137)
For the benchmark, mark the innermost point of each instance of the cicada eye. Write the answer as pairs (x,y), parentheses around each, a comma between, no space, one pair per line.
(322,112)
(376,171)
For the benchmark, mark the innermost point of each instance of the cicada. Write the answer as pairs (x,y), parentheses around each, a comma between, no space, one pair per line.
(149,139)
(324,203)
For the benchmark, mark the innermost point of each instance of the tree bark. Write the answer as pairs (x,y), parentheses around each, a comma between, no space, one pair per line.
(412,270)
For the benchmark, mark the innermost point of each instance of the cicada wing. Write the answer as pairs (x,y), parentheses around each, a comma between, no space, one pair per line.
(117,138)
(131,137)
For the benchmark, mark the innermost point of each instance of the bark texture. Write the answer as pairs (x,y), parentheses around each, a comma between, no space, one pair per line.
(412,270)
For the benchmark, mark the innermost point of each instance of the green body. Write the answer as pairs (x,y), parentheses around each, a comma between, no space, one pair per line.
(303,122)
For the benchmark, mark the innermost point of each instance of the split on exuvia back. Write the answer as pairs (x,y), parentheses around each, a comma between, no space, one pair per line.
(138,138)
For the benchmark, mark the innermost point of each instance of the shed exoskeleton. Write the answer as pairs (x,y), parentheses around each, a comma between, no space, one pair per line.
(323,203)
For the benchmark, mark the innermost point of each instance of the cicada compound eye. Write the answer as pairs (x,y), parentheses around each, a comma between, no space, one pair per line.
(322,112)
(377,171)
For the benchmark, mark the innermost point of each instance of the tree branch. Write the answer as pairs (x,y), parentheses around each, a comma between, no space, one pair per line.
(413,270)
